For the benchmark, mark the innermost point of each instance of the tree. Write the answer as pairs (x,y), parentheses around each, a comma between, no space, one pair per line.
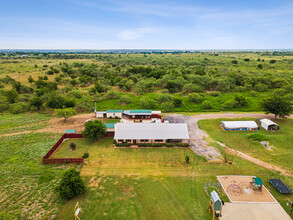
(11,96)
(177,101)
(36,102)
(71,185)
(277,105)
(94,129)
(30,79)
(240,101)
(66,113)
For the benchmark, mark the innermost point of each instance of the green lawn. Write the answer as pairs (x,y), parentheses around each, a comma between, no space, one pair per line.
(281,141)
(112,120)
(150,182)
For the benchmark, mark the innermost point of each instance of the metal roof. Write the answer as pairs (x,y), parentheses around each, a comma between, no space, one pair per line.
(138,112)
(109,125)
(114,111)
(68,131)
(151,131)
(267,121)
(239,124)
(101,112)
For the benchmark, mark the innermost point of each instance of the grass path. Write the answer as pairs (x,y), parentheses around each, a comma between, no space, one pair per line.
(256,161)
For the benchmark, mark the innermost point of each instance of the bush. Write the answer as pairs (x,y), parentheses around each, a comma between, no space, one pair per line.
(72,146)
(71,185)
(177,101)
(240,101)
(125,99)
(207,105)
(85,155)
(215,93)
(187,159)
(148,103)
(182,145)
(196,98)
(169,145)
(122,144)
(17,108)
(167,106)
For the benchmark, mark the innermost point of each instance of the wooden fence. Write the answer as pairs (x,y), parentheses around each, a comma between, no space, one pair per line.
(48,160)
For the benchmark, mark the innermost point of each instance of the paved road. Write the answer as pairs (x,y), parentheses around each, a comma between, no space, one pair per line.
(197,142)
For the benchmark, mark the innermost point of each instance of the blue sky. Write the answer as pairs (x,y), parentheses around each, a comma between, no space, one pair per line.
(153,24)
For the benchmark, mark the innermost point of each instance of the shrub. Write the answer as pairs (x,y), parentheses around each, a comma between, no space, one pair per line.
(71,185)
(125,99)
(196,98)
(234,61)
(148,103)
(85,155)
(72,146)
(240,101)
(169,145)
(17,108)
(207,105)
(177,101)
(123,144)
(182,145)
(215,93)
(187,159)
(157,145)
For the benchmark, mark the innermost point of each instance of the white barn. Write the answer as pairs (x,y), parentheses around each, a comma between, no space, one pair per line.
(151,133)
(268,124)
(239,125)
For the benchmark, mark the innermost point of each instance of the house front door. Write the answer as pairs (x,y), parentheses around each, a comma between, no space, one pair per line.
(134,141)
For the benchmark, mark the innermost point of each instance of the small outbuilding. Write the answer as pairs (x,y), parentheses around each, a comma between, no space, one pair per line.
(239,125)
(101,114)
(269,125)
(114,113)
(215,205)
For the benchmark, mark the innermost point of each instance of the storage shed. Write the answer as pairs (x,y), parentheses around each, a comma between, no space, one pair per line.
(239,125)
(101,114)
(114,113)
(268,124)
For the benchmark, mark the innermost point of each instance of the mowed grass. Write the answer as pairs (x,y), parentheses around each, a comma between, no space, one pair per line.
(281,141)
(150,183)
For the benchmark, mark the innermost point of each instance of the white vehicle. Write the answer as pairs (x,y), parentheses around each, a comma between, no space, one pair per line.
(86,121)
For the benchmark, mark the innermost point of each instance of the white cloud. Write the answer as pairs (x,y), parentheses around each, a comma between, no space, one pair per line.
(134,34)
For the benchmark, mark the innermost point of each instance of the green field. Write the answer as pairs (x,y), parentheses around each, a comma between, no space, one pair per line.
(149,183)
(123,183)
(281,141)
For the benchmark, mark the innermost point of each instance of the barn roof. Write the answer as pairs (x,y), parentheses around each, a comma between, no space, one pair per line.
(151,131)
(267,121)
(114,111)
(138,112)
(239,124)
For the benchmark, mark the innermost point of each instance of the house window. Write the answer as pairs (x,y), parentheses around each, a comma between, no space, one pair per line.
(120,140)
(132,116)
(143,140)
(147,116)
(113,114)
(159,140)
(128,141)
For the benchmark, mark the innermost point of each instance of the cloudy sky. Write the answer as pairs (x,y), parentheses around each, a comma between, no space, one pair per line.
(153,24)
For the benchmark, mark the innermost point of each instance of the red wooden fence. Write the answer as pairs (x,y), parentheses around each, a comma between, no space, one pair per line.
(48,160)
